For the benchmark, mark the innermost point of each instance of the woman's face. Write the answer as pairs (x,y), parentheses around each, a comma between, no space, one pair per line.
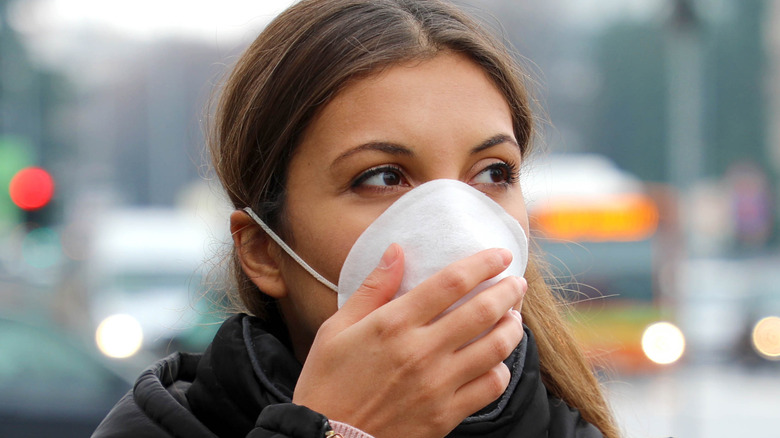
(376,140)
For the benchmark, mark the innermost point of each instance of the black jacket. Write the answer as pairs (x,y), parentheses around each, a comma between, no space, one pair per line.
(243,384)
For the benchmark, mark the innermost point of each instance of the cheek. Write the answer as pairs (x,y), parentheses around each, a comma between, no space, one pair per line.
(519,211)
(522,216)
(325,235)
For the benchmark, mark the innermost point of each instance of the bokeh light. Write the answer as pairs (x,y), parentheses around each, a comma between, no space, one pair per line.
(119,336)
(663,343)
(766,337)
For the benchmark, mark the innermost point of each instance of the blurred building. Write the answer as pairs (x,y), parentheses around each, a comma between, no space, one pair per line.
(772,83)
(139,123)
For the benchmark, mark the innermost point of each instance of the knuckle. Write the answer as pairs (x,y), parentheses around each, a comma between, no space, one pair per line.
(371,283)
(453,280)
(412,361)
(484,310)
(496,383)
(499,347)
(429,394)
(407,359)
(516,285)
(326,327)
(491,305)
(439,421)
(389,326)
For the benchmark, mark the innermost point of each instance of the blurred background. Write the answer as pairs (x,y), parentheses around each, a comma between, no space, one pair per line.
(655,198)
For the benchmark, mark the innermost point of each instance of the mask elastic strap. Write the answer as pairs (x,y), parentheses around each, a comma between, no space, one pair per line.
(289,251)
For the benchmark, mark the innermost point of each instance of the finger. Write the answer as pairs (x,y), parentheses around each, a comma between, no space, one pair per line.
(482,391)
(524,290)
(478,314)
(478,357)
(377,289)
(434,295)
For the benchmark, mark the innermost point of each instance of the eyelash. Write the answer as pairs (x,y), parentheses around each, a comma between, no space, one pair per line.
(509,167)
(373,172)
(512,172)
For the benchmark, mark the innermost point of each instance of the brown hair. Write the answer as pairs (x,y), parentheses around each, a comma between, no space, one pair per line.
(298,64)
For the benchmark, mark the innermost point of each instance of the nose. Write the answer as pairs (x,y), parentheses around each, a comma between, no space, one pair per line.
(442,166)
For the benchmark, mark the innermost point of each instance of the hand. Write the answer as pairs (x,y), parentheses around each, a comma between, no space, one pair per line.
(391,368)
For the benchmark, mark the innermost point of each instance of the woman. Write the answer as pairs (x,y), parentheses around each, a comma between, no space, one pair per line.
(338,109)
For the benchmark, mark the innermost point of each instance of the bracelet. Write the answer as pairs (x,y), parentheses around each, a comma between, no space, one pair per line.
(344,430)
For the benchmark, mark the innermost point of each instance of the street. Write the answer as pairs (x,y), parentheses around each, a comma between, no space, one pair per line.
(698,401)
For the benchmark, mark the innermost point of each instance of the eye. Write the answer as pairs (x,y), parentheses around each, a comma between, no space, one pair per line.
(383,176)
(498,173)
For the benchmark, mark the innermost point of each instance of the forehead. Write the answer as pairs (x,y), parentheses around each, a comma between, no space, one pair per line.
(448,92)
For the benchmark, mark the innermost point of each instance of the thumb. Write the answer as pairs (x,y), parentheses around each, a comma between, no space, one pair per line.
(378,288)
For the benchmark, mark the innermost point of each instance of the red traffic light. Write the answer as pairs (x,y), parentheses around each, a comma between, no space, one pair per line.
(31,188)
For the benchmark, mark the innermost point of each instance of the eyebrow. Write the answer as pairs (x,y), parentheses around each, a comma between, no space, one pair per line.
(400,150)
(494,141)
(381,146)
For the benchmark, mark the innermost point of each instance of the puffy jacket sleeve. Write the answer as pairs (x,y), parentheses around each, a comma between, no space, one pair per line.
(289,420)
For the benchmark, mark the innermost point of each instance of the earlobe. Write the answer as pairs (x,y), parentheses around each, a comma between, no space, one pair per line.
(259,255)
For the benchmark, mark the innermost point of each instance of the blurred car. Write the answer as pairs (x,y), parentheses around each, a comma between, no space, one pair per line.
(760,342)
(731,309)
(711,306)
(146,290)
(49,386)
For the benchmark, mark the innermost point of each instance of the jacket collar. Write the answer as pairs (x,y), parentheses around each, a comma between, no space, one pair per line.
(246,368)
(243,370)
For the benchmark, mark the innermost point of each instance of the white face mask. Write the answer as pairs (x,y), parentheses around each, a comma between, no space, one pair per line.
(436,224)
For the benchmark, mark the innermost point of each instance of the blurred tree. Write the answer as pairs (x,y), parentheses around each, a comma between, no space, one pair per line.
(736,67)
(14,155)
(629,115)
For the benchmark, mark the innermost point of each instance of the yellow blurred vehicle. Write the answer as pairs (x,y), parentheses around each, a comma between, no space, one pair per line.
(602,232)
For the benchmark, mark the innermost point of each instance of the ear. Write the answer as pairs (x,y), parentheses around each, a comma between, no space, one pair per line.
(259,255)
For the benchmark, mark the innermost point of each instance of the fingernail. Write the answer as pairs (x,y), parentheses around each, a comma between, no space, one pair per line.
(389,257)
(523,284)
(516,313)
